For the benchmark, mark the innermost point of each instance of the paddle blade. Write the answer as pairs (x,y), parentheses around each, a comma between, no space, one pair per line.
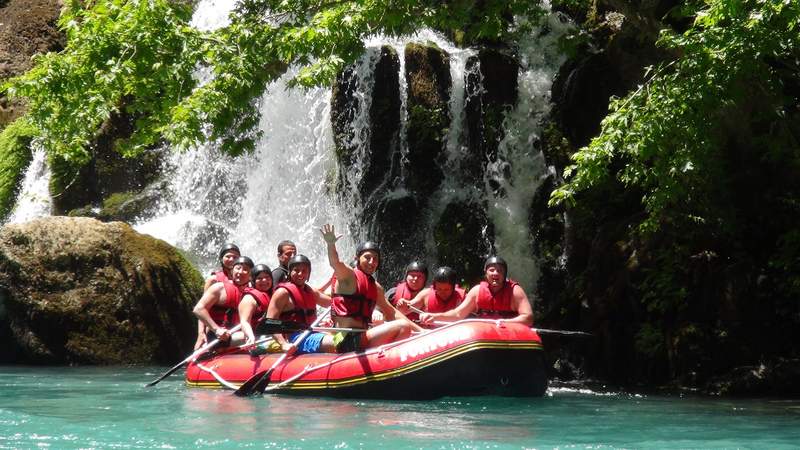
(254,385)
(165,375)
(272,326)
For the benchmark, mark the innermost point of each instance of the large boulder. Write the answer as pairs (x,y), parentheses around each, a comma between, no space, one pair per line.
(75,290)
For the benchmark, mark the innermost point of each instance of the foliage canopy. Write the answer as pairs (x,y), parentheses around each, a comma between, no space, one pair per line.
(140,56)
(665,138)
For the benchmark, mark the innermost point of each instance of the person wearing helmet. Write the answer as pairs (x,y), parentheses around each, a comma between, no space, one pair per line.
(286,250)
(496,297)
(217,309)
(415,279)
(295,301)
(227,255)
(254,303)
(357,294)
(443,295)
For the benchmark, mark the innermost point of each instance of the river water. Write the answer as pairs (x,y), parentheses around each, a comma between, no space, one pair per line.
(109,407)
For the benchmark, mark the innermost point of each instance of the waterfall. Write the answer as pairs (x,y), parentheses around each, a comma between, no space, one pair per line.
(34,197)
(290,185)
(521,168)
(285,189)
(280,191)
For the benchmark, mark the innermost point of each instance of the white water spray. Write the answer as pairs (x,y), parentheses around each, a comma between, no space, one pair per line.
(34,199)
(518,157)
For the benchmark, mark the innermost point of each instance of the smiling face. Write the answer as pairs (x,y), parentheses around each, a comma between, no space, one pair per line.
(240,274)
(299,274)
(228,258)
(368,261)
(263,281)
(415,280)
(495,276)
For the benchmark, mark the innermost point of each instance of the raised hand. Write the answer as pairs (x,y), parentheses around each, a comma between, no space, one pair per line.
(329,234)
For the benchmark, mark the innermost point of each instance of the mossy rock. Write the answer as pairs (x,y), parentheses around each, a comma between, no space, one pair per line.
(15,156)
(80,291)
(429,82)
(463,235)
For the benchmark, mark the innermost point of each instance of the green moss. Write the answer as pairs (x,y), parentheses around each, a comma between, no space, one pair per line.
(114,201)
(15,155)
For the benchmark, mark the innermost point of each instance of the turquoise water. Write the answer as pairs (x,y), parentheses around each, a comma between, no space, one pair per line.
(110,408)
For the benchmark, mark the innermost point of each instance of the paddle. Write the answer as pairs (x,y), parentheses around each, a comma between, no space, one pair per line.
(258,382)
(272,326)
(191,357)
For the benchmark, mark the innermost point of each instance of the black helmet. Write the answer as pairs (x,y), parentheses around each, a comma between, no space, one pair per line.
(445,274)
(496,260)
(258,269)
(245,261)
(226,248)
(298,259)
(367,246)
(417,266)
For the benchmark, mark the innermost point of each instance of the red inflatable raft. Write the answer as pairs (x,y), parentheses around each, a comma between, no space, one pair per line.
(469,357)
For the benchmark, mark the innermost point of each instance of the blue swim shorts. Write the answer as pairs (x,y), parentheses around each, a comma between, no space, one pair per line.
(311,344)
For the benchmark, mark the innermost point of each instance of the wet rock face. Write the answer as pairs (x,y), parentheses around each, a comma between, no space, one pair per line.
(81,190)
(428,80)
(80,291)
(28,28)
(491,91)
(384,118)
(463,238)
(397,210)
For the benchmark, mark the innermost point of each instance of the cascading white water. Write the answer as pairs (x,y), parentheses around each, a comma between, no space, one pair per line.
(540,60)
(34,196)
(284,190)
(281,191)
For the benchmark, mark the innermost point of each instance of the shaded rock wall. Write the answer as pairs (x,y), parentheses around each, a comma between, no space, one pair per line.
(397,190)
(79,291)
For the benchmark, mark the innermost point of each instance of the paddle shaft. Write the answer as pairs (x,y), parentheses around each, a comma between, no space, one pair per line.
(258,382)
(194,355)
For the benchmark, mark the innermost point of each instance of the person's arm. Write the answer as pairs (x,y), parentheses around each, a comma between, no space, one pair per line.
(323,299)
(201,335)
(460,312)
(345,277)
(246,308)
(419,301)
(209,282)
(520,302)
(389,312)
(215,295)
(277,304)
(328,284)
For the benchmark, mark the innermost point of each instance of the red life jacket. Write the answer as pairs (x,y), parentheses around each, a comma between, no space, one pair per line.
(361,303)
(436,305)
(227,314)
(305,304)
(220,275)
(496,306)
(403,291)
(262,302)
